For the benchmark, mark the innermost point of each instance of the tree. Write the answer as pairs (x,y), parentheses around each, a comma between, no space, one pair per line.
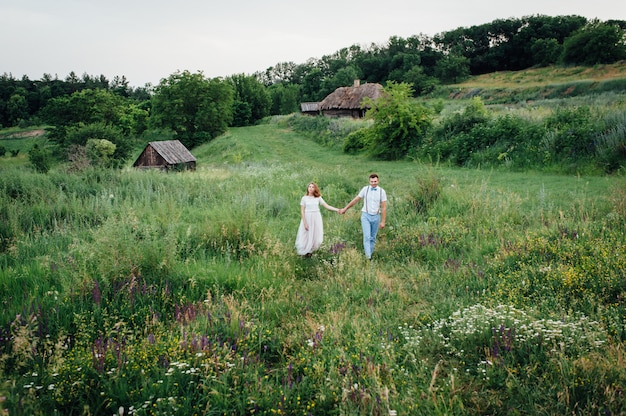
(343,78)
(312,85)
(94,114)
(86,107)
(17,109)
(545,51)
(81,135)
(285,98)
(596,43)
(452,68)
(422,83)
(399,122)
(251,100)
(195,108)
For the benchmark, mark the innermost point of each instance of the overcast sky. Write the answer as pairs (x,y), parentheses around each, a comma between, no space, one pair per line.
(147,40)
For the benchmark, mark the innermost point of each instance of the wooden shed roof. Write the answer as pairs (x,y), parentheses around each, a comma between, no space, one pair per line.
(309,107)
(173,151)
(350,97)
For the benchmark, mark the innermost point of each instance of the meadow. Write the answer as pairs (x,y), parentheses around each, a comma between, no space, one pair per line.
(147,293)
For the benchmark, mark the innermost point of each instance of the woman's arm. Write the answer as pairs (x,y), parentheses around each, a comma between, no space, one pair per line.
(330,207)
(302,210)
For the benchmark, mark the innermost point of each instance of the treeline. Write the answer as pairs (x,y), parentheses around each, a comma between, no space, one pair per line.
(196,109)
(449,57)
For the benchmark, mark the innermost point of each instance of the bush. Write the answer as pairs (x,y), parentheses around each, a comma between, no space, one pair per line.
(400,123)
(39,158)
(356,141)
(80,135)
(424,193)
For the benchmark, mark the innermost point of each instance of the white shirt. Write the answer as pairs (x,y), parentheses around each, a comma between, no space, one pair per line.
(372,198)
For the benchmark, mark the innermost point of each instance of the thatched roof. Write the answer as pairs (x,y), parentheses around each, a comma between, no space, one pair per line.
(350,98)
(173,151)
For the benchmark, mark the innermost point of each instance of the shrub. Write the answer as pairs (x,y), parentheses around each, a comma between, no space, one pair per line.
(424,193)
(400,123)
(356,141)
(39,158)
(574,130)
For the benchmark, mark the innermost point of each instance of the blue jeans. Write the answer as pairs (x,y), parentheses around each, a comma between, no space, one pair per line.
(370,224)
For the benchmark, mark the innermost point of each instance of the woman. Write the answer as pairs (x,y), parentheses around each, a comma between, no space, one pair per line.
(311,231)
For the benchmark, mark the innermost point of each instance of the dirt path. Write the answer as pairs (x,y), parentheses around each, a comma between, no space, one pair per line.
(24,134)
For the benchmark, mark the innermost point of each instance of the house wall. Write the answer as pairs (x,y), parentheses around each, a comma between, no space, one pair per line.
(354,113)
(150,159)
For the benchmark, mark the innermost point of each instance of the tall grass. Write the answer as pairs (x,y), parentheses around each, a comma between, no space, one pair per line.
(149,293)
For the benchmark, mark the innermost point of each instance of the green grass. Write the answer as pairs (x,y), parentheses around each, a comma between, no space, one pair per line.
(490,292)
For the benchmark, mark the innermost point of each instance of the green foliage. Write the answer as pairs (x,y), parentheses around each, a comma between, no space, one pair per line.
(100,151)
(399,123)
(451,139)
(39,157)
(85,107)
(330,132)
(424,193)
(611,148)
(570,137)
(573,132)
(356,141)
(595,43)
(81,135)
(452,69)
(195,108)
(285,98)
(251,100)
(94,114)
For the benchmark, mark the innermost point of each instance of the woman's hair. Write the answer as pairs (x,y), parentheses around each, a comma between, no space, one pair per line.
(316,190)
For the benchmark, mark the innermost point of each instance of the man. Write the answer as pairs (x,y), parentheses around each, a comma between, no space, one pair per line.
(373,213)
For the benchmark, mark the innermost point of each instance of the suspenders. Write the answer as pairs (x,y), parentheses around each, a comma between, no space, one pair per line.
(367,193)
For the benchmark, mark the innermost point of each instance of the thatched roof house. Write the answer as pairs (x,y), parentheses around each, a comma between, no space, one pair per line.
(165,155)
(346,101)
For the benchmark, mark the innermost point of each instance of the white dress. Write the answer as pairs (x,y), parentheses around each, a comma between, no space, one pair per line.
(307,241)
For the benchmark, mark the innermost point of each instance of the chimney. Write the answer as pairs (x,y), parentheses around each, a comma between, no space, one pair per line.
(357,82)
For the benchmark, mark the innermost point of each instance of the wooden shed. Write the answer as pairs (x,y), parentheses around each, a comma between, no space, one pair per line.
(310,108)
(166,155)
(346,101)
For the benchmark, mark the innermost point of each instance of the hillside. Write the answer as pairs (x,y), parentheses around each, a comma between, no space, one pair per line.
(546,76)
(540,83)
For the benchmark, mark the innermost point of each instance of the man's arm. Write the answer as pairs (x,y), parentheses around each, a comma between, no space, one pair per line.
(350,204)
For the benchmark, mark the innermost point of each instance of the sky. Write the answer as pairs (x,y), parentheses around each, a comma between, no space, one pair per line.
(148,40)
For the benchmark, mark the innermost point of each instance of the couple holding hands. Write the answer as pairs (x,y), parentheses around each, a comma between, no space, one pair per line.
(373,215)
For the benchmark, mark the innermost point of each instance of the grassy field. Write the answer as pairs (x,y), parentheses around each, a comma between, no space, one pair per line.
(490,292)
